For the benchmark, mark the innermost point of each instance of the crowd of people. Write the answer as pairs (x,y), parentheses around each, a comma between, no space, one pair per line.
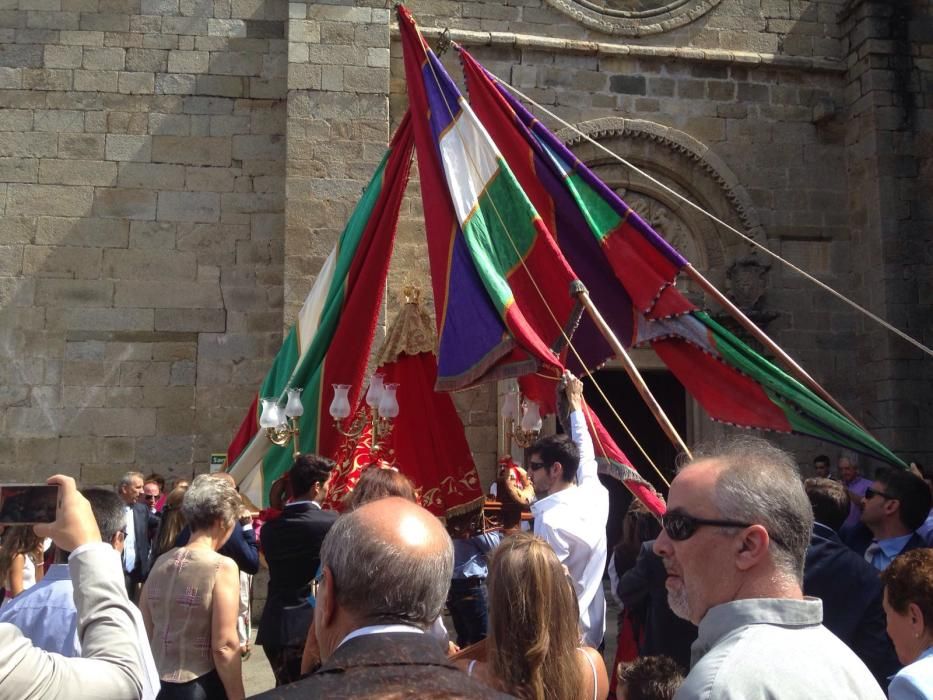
(755,583)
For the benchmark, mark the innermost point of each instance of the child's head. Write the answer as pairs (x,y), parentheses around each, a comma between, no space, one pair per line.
(649,678)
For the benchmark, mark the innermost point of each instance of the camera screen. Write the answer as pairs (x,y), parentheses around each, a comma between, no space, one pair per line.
(23,504)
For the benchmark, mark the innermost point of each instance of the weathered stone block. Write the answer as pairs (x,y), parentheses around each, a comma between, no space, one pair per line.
(146,60)
(104,59)
(20,55)
(53,292)
(125,203)
(172,449)
(92,319)
(94,81)
(149,265)
(63,56)
(127,147)
(16,119)
(234,63)
(191,150)
(51,200)
(209,180)
(136,83)
(18,170)
(221,85)
(156,176)
(80,38)
(226,27)
(182,295)
(191,320)
(189,206)
(27,145)
(82,232)
(78,172)
(11,261)
(61,261)
(371,80)
(81,146)
(188,61)
(152,235)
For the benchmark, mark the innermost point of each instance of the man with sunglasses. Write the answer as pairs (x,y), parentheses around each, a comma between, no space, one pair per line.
(895,505)
(572,509)
(734,541)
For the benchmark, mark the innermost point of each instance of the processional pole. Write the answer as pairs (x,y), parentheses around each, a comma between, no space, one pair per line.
(795,369)
(659,415)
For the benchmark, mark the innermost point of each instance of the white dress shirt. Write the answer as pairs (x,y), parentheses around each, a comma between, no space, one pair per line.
(129,542)
(573,522)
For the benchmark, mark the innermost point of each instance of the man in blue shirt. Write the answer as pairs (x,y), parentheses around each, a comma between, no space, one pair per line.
(46,613)
(895,505)
(466,599)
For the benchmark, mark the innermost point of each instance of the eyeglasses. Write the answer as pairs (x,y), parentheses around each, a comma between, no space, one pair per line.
(680,526)
(532,466)
(152,497)
(871,493)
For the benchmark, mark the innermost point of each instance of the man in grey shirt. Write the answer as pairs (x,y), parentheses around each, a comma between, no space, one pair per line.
(734,542)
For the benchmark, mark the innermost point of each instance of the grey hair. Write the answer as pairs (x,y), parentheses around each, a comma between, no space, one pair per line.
(760,484)
(381,581)
(127,478)
(208,500)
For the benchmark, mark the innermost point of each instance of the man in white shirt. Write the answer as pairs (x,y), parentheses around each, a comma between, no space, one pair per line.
(572,510)
(46,613)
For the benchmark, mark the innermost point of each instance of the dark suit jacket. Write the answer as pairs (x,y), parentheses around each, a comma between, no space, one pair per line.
(851,593)
(292,546)
(859,538)
(142,520)
(642,591)
(392,664)
(241,547)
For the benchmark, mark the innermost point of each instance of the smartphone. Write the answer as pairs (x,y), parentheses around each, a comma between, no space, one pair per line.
(27,504)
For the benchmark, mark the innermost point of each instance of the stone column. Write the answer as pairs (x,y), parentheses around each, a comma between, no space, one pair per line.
(890,126)
(337,129)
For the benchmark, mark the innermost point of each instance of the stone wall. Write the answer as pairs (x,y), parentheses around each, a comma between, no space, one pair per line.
(174,172)
(141,155)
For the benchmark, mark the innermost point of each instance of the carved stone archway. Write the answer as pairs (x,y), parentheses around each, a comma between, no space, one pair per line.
(634,17)
(687,167)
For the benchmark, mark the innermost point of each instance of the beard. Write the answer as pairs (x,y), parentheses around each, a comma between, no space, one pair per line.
(677,599)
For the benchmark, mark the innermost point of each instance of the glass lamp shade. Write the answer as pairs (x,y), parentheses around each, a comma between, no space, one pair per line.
(294,408)
(388,403)
(340,406)
(272,415)
(532,418)
(374,393)
(508,408)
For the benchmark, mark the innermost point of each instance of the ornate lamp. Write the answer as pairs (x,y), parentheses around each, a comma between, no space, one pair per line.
(383,407)
(281,423)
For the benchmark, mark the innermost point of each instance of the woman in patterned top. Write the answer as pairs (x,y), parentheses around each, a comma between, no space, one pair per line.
(190,602)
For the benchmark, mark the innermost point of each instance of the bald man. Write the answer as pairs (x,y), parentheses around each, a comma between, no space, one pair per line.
(385,570)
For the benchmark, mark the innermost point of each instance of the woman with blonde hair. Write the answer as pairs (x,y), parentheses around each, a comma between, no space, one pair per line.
(21,564)
(533,643)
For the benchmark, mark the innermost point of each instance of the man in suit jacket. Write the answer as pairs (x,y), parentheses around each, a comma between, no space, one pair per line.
(895,505)
(109,668)
(848,585)
(386,567)
(138,523)
(292,546)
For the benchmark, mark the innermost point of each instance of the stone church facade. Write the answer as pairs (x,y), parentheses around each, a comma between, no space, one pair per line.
(174,172)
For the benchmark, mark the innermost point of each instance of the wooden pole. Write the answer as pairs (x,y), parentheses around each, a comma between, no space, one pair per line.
(634,374)
(795,369)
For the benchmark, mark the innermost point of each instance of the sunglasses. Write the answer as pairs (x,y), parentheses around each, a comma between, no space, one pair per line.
(680,526)
(313,587)
(151,497)
(871,493)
